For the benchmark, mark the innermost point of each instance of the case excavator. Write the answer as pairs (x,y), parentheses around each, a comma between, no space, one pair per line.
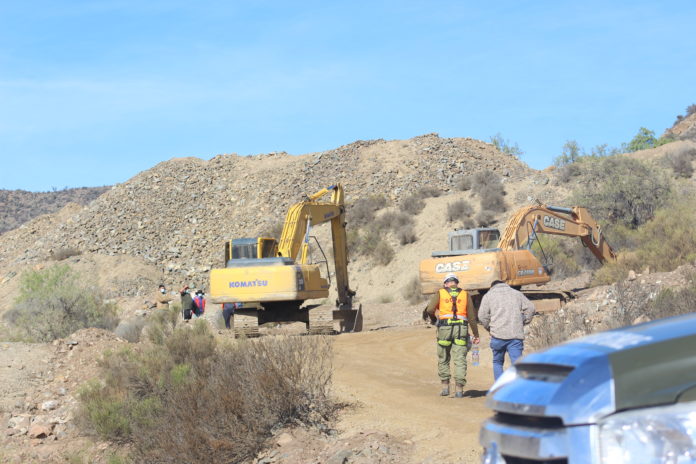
(269,280)
(481,256)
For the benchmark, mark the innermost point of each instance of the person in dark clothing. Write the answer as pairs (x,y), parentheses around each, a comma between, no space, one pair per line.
(187,306)
(228,312)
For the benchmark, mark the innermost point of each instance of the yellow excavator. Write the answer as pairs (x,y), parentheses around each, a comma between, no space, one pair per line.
(478,257)
(270,281)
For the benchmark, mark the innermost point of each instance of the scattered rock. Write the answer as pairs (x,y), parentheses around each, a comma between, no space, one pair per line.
(39,431)
(284,439)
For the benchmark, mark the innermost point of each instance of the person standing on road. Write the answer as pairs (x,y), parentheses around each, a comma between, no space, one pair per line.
(504,312)
(199,303)
(187,306)
(454,312)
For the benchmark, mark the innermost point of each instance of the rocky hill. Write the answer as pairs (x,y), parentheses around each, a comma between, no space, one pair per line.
(20,206)
(176,215)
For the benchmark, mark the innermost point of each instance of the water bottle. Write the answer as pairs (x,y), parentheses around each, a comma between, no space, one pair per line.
(475,354)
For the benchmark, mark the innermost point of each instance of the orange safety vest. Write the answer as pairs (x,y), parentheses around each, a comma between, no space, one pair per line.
(447,308)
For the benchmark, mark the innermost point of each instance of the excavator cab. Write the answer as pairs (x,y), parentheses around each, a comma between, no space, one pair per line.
(467,241)
(250,248)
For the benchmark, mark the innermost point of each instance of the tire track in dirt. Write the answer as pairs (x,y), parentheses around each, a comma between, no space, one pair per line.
(390,376)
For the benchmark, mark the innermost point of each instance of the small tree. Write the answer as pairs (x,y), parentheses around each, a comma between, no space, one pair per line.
(622,190)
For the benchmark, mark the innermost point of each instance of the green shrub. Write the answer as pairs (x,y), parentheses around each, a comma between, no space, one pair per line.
(560,261)
(621,190)
(505,146)
(643,140)
(56,301)
(489,187)
(664,243)
(219,406)
(458,209)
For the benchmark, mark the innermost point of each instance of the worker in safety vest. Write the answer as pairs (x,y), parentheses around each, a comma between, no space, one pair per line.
(454,312)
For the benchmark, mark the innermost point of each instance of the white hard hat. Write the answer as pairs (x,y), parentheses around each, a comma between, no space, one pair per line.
(450,276)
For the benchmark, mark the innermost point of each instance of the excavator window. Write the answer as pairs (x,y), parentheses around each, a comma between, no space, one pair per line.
(488,239)
(462,242)
(268,247)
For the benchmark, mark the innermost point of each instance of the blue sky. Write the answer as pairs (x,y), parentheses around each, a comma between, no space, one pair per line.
(93,92)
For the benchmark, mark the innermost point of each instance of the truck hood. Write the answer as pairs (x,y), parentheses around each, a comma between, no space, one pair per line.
(583,380)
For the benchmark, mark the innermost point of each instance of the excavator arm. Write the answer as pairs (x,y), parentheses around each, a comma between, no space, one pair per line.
(294,239)
(527,223)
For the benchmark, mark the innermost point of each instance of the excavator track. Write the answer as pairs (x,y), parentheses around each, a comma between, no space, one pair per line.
(321,321)
(245,325)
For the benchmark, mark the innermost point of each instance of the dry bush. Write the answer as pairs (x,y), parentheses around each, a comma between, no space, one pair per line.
(468,223)
(489,187)
(131,329)
(492,198)
(486,179)
(464,183)
(671,302)
(413,205)
(412,291)
(406,235)
(383,253)
(635,302)
(362,211)
(185,402)
(458,209)
(680,162)
(485,218)
(429,192)
(393,221)
(55,302)
(64,253)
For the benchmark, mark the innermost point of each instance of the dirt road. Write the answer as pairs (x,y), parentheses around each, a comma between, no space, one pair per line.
(391,376)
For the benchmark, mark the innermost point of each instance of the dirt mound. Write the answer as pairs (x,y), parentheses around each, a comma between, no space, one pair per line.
(176,215)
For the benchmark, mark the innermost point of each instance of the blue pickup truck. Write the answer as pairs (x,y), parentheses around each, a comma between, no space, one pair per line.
(625,396)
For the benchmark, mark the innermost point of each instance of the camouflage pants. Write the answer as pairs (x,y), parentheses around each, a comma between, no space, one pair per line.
(452,344)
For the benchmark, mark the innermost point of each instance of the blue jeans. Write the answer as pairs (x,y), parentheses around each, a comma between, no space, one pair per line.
(499,346)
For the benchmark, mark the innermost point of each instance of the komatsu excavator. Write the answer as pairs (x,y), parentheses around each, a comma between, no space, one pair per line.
(269,281)
(478,257)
